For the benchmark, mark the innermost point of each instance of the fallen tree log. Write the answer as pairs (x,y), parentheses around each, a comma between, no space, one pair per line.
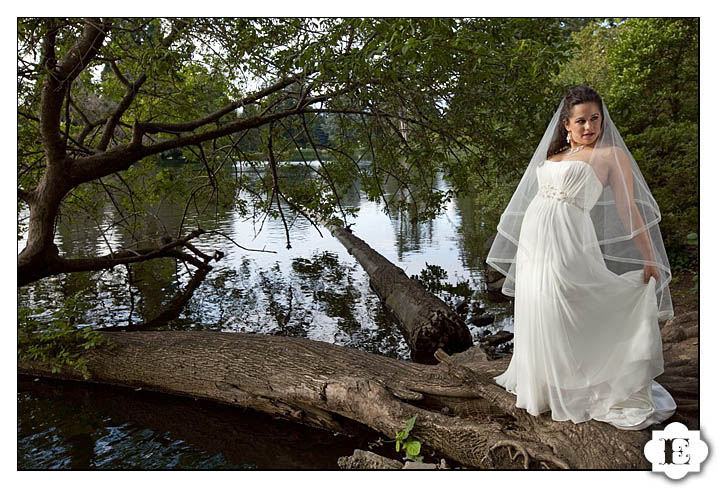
(680,375)
(427,323)
(461,412)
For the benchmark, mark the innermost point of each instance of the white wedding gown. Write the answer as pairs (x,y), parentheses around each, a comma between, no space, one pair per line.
(586,341)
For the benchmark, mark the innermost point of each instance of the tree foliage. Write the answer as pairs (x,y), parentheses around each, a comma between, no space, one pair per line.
(133,113)
(654,94)
(101,100)
(646,70)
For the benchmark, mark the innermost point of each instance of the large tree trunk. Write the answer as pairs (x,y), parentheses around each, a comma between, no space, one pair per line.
(460,411)
(427,323)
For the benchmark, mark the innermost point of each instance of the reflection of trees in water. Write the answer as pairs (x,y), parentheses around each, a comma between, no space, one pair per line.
(405,208)
(481,315)
(61,425)
(139,291)
(111,297)
(321,297)
(318,294)
(72,426)
(279,296)
(154,282)
(472,233)
(331,285)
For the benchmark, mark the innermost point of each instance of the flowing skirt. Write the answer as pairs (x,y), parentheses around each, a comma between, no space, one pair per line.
(587,344)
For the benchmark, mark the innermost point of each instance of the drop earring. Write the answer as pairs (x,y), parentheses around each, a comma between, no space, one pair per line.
(568,138)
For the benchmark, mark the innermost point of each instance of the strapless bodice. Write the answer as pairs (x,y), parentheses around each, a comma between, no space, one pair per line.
(570,181)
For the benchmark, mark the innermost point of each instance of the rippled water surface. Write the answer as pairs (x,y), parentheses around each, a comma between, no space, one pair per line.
(72,426)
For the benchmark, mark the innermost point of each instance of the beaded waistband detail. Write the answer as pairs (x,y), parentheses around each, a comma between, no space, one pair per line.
(556,193)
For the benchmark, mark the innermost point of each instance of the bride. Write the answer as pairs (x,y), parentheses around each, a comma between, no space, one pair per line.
(582,253)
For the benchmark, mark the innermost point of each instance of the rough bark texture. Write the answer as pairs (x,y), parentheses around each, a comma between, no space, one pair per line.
(460,411)
(680,375)
(427,323)
(361,459)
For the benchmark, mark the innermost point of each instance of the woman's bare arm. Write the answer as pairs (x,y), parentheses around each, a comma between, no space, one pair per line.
(620,177)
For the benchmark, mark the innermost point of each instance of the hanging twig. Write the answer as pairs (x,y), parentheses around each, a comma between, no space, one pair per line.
(273,165)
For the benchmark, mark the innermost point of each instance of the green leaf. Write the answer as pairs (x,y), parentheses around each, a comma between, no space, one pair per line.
(413,448)
(410,424)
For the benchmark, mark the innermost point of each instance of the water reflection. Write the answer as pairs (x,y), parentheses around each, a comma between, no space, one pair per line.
(314,290)
(269,292)
(98,427)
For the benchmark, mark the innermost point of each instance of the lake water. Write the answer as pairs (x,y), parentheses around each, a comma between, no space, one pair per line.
(314,290)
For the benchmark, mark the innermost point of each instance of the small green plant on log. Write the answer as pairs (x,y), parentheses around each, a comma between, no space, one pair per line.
(405,441)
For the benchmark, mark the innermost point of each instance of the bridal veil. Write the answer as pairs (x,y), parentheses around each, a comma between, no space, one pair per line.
(624,218)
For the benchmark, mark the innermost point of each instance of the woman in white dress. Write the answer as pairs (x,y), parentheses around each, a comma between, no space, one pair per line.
(581,249)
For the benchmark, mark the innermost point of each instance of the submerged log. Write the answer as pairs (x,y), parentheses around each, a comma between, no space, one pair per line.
(461,413)
(427,323)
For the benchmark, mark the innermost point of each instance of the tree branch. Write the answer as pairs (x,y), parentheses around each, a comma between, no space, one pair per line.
(84,50)
(175,305)
(119,74)
(87,125)
(49,59)
(114,118)
(59,77)
(328,176)
(58,265)
(380,113)
(122,157)
(275,184)
(132,88)
(153,128)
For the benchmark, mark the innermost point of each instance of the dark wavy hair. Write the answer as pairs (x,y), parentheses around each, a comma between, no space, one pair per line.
(577,95)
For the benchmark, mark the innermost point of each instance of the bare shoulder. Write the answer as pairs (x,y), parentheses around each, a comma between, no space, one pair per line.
(611,156)
(610,152)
